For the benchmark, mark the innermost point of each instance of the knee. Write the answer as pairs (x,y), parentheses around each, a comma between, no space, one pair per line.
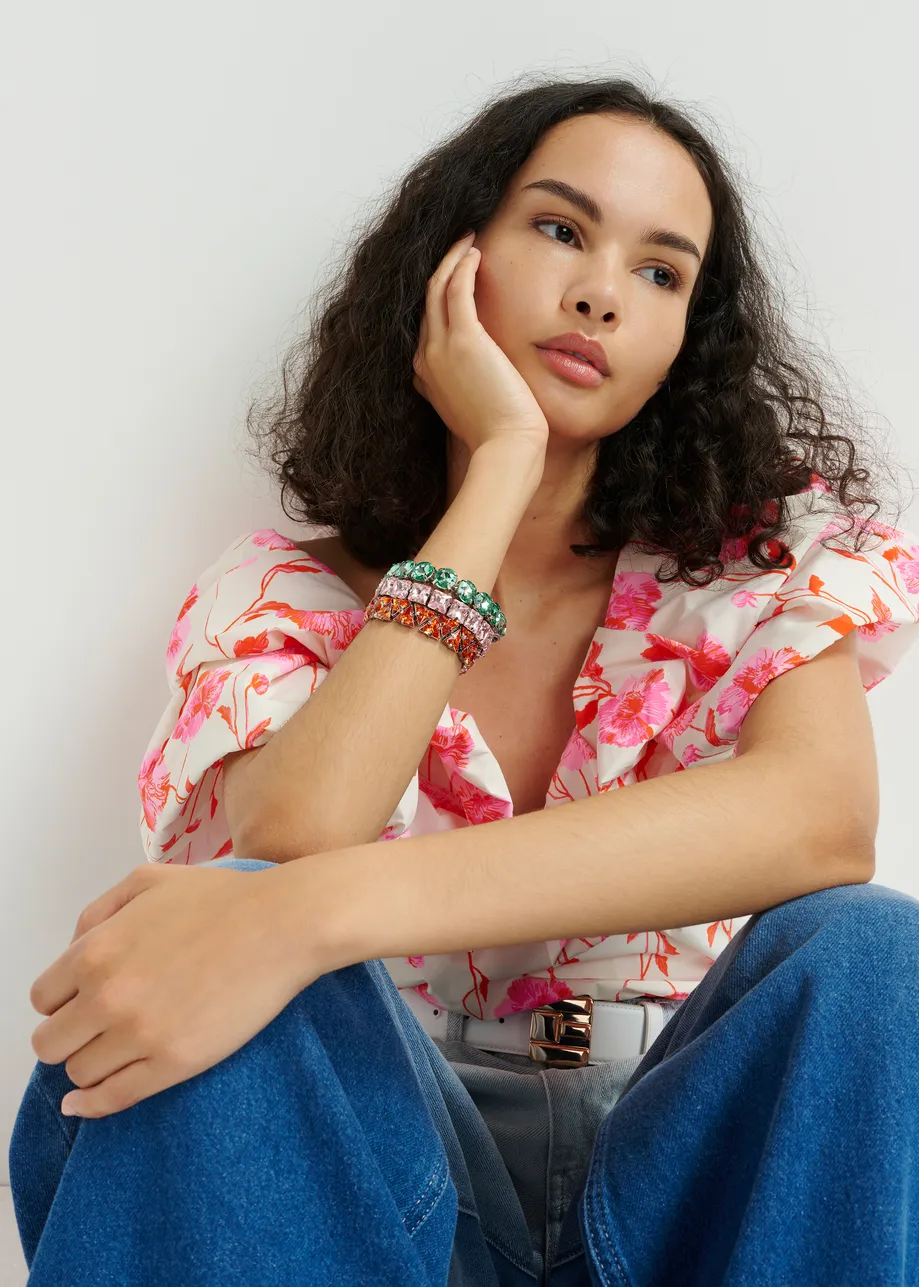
(868,930)
(241,864)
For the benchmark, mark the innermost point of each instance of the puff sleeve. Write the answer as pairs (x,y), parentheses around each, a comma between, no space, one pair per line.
(787,617)
(256,635)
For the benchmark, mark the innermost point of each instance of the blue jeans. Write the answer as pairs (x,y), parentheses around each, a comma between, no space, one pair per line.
(769,1136)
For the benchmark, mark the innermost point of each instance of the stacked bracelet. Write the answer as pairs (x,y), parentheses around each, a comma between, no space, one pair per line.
(440,605)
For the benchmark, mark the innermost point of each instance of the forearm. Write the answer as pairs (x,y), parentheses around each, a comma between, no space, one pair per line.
(372,718)
(690,848)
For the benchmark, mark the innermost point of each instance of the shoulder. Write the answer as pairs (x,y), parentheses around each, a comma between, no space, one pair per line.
(264,565)
(262,591)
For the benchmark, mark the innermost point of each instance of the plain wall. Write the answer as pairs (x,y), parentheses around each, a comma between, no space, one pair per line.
(176,180)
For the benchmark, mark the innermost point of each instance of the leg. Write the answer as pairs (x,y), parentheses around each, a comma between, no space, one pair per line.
(308,1155)
(771,1133)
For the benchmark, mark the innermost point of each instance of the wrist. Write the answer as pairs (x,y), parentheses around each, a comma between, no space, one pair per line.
(515,457)
(321,912)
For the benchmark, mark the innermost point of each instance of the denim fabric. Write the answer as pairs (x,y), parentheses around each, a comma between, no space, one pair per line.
(769,1136)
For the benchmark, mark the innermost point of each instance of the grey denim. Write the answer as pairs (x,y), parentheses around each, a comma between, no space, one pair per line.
(543,1121)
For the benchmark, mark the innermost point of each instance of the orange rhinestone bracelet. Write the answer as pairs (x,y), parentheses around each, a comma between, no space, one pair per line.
(435,625)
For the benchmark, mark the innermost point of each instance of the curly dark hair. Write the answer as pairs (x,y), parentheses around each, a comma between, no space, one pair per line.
(741,423)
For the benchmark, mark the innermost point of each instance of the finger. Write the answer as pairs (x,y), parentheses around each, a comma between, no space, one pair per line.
(460,291)
(435,301)
(121,1090)
(71,1028)
(57,984)
(103,1056)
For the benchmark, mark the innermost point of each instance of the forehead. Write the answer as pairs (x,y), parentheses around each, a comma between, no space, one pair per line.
(636,172)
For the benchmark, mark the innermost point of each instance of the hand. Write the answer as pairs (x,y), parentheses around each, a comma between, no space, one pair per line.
(168,972)
(468,380)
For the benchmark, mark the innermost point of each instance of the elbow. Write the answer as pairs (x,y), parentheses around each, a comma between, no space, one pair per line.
(269,842)
(273,840)
(850,853)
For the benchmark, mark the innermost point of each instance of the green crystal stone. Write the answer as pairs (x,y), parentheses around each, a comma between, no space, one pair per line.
(403,569)
(500,622)
(396,569)
(445,578)
(464,591)
(490,614)
(422,571)
(482,603)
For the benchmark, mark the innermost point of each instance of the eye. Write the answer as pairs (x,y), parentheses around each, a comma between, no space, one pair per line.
(674,284)
(556,223)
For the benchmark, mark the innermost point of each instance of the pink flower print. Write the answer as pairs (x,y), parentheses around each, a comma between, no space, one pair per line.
(423,991)
(592,669)
(340,628)
(153,781)
(200,704)
(734,549)
(706,663)
(441,799)
(190,601)
(749,682)
(529,993)
(743,599)
(453,744)
(629,716)
(479,805)
(907,564)
(633,602)
(269,539)
(178,637)
(680,723)
(883,625)
(577,752)
(417,961)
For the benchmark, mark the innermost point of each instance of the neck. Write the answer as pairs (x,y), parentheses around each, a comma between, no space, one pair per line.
(538,557)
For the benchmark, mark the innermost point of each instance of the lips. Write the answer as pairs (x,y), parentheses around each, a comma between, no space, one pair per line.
(579,346)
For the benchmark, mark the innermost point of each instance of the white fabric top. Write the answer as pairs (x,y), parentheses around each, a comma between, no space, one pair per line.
(665,685)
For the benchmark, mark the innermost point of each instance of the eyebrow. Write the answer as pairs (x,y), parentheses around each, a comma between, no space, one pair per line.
(651,236)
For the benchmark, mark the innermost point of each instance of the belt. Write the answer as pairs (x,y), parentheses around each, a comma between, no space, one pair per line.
(569,1033)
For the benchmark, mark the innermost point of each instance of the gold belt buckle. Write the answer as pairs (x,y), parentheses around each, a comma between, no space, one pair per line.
(560,1033)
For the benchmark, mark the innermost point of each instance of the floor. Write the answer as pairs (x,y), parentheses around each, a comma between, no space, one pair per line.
(13,1269)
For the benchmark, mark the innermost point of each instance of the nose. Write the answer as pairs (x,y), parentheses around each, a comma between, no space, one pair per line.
(584,307)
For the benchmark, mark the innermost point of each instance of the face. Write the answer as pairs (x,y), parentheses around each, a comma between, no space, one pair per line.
(548,268)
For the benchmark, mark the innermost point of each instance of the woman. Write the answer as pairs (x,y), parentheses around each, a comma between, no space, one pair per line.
(566,1095)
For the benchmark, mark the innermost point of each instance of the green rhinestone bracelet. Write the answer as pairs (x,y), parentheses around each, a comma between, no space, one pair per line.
(446,579)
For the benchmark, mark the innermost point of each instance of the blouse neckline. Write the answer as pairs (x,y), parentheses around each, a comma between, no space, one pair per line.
(453,718)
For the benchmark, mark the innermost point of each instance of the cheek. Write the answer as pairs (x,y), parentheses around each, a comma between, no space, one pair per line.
(495,298)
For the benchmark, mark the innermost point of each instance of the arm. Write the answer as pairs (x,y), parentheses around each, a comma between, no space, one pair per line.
(296,795)
(371,719)
(795,811)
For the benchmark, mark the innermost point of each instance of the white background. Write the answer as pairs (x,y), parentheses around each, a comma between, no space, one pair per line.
(176,179)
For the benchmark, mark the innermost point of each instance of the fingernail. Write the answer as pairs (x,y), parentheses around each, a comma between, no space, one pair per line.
(69,1110)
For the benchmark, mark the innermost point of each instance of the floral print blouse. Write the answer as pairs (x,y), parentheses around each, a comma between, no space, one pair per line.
(665,685)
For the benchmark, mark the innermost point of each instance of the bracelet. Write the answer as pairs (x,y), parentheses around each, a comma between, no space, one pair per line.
(458,638)
(446,580)
(418,595)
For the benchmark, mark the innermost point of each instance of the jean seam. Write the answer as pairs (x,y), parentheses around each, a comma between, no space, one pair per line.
(599,1260)
(441,1177)
(509,1252)
(56,1111)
